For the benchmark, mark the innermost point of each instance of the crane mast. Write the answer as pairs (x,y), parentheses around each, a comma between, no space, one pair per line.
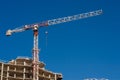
(35,28)
(35,53)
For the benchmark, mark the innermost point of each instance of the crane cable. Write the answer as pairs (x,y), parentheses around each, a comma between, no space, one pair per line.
(46,37)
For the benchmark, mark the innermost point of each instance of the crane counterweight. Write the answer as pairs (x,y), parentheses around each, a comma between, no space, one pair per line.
(9,33)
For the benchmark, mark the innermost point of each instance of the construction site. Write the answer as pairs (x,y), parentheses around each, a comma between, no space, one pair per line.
(23,68)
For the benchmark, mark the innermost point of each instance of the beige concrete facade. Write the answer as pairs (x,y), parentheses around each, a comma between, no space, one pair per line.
(21,69)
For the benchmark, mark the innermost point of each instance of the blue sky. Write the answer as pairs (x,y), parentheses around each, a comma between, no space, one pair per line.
(87,48)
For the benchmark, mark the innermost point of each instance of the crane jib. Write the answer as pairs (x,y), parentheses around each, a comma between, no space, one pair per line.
(74,17)
(56,21)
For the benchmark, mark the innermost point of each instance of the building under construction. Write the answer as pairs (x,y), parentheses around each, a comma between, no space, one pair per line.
(21,69)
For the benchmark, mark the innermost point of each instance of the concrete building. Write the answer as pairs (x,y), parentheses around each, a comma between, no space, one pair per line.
(21,69)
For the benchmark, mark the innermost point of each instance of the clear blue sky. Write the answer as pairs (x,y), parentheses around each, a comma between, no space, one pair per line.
(80,49)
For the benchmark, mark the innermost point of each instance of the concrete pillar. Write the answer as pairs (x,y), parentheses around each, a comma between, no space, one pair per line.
(23,76)
(7,75)
(49,76)
(24,73)
(55,76)
(15,62)
(7,72)
(2,71)
(14,75)
(24,63)
(8,68)
(43,75)
(14,69)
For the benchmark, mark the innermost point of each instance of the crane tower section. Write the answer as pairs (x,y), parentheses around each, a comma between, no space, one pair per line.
(35,54)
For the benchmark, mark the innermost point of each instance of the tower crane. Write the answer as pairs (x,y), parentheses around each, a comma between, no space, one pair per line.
(35,28)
